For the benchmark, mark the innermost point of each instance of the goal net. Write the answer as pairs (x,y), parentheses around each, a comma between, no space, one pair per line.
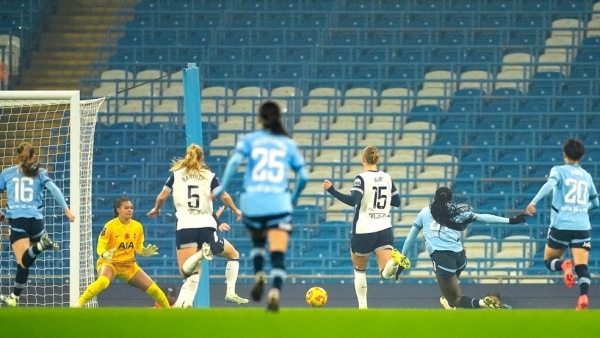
(61,129)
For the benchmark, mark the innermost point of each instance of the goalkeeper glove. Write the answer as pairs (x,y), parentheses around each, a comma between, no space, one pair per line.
(150,250)
(517,219)
(108,254)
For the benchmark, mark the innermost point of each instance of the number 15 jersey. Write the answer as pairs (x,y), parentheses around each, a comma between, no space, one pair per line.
(266,181)
(191,197)
(372,214)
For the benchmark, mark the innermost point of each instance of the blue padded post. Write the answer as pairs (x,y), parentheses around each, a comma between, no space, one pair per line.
(193,134)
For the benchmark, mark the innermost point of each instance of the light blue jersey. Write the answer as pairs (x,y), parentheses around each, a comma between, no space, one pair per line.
(439,237)
(25,194)
(573,190)
(266,181)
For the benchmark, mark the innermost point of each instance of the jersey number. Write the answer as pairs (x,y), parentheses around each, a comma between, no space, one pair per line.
(380,199)
(435,226)
(269,166)
(23,189)
(193,198)
(578,191)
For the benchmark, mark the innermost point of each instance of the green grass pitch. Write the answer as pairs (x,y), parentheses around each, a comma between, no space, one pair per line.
(308,322)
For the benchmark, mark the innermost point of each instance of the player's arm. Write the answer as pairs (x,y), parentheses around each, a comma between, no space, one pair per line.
(412,235)
(493,219)
(395,202)
(230,169)
(162,197)
(102,248)
(544,190)
(57,194)
(352,200)
(299,166)
(594,202)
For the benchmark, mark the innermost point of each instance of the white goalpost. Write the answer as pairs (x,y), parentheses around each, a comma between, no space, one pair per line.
(61,129)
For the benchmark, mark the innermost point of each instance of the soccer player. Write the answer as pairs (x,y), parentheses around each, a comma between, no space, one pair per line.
(119,241)
(196,236)
(574,193)
(24,184)
(372,196)
(441,222)
(266,202)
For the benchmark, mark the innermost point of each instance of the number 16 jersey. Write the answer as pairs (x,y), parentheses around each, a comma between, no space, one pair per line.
(372,214)
(191,197)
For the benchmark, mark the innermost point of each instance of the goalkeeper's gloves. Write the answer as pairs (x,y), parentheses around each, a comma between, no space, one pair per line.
(517,219)
(108,254)
(150,250)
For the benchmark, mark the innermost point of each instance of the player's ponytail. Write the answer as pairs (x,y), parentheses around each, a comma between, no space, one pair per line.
(446,213)
(118,203)
(193,160)
(371,155)
(269,115)
(27,160)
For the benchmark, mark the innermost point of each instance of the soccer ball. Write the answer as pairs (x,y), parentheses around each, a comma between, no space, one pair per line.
(316,296)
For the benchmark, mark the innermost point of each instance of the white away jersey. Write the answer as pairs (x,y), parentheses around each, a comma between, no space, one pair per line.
(372,214)
(191,197)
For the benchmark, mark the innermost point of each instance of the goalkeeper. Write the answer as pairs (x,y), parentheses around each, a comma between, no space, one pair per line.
(119,241)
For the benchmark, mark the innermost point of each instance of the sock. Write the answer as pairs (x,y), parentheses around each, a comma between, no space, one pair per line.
(583,275)
(20,280)
(554,264)
(94,289)
(360,286)
(231,275)
(389,270)
(258,254)
(188,291)
(278,269)
(470,303)
(158,295)
(30,255)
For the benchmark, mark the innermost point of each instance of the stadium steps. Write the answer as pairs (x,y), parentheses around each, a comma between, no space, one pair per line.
(70,44)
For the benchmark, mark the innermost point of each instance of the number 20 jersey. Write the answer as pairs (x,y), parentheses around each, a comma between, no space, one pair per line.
(372,214)
(266,181)
(571,197)
(191,197)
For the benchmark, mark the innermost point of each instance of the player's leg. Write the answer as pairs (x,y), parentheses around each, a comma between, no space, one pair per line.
(191,239)
(388,258)
(186,242)
(279,238)
(258,236)
(106,274)
(361,246)
(556,244)
(231,271)
(580,250)
(142,281)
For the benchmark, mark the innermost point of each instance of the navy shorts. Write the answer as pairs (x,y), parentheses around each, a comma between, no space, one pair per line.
(364,244)
(561,239)
(446,264)
(185,238)
(280,221)
(31,228)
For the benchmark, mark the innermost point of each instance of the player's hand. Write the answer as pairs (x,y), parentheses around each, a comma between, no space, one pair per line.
(224,227)
(327,184)
(219,211)
(238,213)
(70,215)
(517,219)
(108,254)
(150,250)
(531,209)
(153,213)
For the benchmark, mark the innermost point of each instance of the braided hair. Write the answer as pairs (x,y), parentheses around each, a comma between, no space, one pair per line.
(446,213)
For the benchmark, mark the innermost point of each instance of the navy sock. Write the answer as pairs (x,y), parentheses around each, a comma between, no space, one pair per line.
(258,253)
(468,303)
(278,269)
(30,255)
(20,280)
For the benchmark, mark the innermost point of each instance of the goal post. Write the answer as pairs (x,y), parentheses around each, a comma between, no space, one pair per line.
(61,128)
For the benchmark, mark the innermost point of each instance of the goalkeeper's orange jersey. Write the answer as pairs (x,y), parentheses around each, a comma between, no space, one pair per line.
(127,238)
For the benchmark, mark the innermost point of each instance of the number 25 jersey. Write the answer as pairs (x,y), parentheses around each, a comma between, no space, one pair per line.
(372,214)
(270,158)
